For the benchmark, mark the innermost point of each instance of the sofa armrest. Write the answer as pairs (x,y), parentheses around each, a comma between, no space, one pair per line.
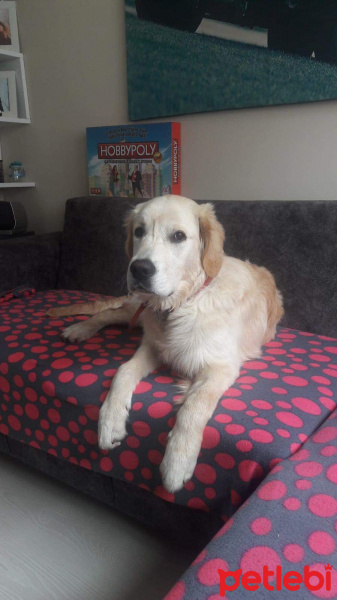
(31,261)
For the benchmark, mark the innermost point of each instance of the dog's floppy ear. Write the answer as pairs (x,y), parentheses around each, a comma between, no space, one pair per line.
(129,233)
(212,236)
(129,220)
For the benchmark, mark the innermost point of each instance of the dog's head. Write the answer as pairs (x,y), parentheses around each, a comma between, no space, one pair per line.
(172,241)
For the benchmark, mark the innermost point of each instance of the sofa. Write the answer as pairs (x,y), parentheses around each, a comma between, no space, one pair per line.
(263,494)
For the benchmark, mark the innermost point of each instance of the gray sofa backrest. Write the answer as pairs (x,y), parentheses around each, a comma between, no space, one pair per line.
(297,241)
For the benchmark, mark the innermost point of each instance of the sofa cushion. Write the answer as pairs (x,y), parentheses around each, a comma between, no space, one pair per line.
(51,392)
(31,260)
(289,522)
(92,254)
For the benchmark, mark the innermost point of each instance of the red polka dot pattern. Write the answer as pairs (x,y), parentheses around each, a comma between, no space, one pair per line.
(283,523)
(51,392)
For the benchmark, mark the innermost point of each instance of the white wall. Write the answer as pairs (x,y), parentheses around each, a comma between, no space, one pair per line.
(76,73)
(74,54)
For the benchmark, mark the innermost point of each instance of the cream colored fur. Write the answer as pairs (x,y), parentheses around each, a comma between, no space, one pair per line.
(210,332)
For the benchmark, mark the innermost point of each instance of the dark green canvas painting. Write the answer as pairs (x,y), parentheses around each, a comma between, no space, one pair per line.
(187,56)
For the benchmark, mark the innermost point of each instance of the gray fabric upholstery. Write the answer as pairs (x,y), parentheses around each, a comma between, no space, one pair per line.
(32,261)
(296,240)
(93,257)
(183,525)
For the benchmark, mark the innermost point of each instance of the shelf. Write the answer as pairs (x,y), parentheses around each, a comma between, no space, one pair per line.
(13,61)
(23,184)
(12,121)
(6,55)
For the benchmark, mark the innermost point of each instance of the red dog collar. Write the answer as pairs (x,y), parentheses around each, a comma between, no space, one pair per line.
(144,305)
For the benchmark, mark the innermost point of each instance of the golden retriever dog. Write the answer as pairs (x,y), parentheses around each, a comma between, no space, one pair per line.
(203,314)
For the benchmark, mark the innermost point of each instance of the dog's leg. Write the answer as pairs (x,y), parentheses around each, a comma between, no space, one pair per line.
(115,410)
(83,330)
(87,308)
(185,439)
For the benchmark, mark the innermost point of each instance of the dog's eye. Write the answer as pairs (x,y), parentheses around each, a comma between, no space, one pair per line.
(139,232)
(178,236)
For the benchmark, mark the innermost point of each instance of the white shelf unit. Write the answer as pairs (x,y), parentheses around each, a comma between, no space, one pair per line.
(13,61)
(21,184)
(4,121)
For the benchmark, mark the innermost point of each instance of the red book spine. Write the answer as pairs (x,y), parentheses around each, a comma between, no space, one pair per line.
(176,161)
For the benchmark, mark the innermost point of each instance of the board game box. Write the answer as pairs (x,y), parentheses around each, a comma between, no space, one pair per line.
(134,161)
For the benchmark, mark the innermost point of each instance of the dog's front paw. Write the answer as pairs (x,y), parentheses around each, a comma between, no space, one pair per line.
(78,332)
(178,463)
(111,425)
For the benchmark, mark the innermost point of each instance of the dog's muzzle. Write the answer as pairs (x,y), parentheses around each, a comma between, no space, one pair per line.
(142,271)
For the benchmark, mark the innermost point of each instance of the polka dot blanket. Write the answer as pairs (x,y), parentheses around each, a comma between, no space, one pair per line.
(51,392)
(288,525)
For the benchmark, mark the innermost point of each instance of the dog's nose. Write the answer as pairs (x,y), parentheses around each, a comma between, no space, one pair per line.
(142,269)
